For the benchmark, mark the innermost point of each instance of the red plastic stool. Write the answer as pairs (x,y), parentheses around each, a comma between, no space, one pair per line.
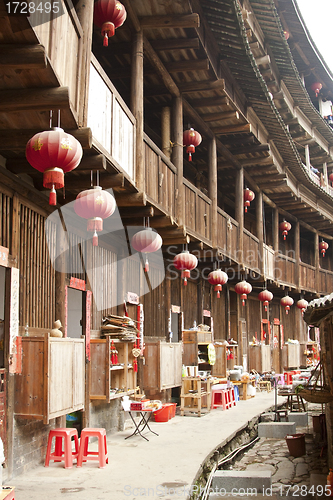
(217,402)
(101,455)
(232,398)
(60,454)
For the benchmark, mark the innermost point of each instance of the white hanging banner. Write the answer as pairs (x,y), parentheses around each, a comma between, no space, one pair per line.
(14,317)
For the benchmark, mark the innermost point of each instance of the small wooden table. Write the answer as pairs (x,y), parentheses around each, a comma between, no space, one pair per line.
(291,399)
(244,397)
(195,390)
(264,384)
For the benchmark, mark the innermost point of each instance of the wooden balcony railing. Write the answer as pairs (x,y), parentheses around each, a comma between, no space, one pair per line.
(251,256)
(285,269)
(198,211)
(269,262)
(160,177)
(325,284)
(307,276)
(62,39)
(111,122)
(227,234)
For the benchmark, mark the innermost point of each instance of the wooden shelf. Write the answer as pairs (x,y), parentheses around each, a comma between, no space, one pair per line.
(104,377)
(194,402)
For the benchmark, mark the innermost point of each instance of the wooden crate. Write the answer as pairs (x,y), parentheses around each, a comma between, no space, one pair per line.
(163,365)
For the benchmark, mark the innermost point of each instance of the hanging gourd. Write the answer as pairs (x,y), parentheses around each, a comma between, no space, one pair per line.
(286,302)
(185,262)
(146,241)
(243,288)
(191,139)
(94,204)
(53,152)
(284,228)
(302,304)
(265,297)
(217,278)
(248,197)
(109,15)
(323,246)
(316,87)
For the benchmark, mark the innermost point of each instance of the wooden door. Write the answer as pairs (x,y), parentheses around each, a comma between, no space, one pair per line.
(276,344)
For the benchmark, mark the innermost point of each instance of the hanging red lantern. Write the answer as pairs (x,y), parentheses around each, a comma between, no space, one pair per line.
(284,228)
(286,302)
(331,178)
(94,204)
(191,139)
(146,241)
(302,304)
(217,278)
(243,288)
(109,15)
(248,197)
(286,34)
(265,296)
(323,246)
(316,87)
(185,262)
(53,152)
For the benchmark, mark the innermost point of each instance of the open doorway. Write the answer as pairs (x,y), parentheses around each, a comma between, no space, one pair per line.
(75,303)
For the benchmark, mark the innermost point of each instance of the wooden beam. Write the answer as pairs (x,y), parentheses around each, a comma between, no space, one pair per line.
(177,240)
(160,69)
(162,221)
(182,21)
(245,128)
(83,181)
(266,160)
(34,99)
(175,43)
(202,85)
(270,177)
(88,162)
(170,67)
(209,101)
(16,139)
(259,148)
(22,56)
(212,117)
(131,200)
(140,212)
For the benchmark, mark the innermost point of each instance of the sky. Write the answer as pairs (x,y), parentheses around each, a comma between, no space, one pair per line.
(318,16)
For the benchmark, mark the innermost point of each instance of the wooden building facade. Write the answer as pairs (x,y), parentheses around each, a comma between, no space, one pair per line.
(242,73)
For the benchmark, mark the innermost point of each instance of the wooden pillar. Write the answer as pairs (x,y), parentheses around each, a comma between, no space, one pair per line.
(166,130)
(325,174)
(137,106)
(316,250)
(307,156)
(239,211)
(177,156)
(84,12)
(60,278)
(212,187)
(260,230)
(276,230)
(297,246)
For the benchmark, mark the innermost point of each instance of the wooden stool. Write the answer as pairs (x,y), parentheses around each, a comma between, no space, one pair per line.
(264,384)
(101,455)
(60,454)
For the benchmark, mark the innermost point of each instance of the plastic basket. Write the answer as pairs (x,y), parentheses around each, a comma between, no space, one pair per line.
(163,414)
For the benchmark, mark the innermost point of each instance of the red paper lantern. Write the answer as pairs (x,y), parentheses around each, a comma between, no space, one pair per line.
(94,204)
(248,197)
(185,262)
(53,152)
(146,241)
(191,139)
(331,178)
(217,278)
(302,304)
(243,288)
(323,246)
(109,15)
(316,87)
(286,34)
(286,302)
(265,296)
(284,228)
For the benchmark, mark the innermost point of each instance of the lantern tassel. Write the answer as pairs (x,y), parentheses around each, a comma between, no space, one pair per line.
(95,240)
(189,157)
(246,209)
(53,197)
(185,281)
(105,40)
(218,294)
(135,365)
(146,265)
